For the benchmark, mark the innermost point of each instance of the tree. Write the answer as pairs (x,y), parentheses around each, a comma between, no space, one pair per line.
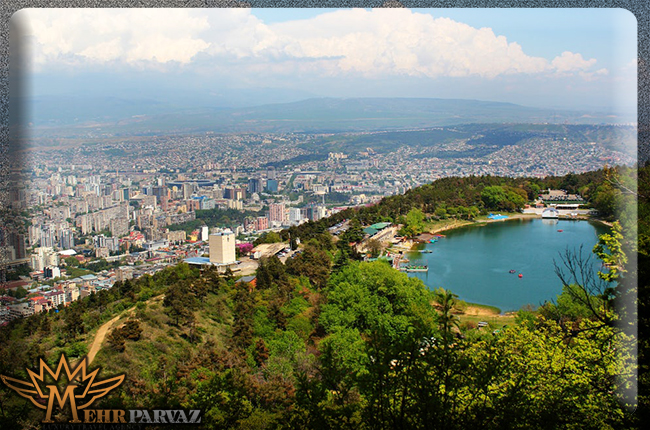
(392,314)
(605,201)
(354,233)
(270,237)
(271,272)
(493,197)
(242,331)
(179,303)
(441,212)
(117,341)
(446,320)
(374,247)
(73,322)
(609,250)
(132,330)
(343,362)
(19,293)
(414,222)
(312,263)
(581,285)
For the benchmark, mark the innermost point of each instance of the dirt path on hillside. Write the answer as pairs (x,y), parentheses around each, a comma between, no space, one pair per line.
(103,330)
(99,337)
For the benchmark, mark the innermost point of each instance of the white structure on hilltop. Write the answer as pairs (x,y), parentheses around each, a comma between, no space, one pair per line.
(222,248)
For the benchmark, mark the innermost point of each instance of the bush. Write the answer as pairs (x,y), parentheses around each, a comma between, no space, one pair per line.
(77,349)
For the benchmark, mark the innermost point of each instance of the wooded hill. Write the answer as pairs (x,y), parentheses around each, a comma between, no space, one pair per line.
(477,194)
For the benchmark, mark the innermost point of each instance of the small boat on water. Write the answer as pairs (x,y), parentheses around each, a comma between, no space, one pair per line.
(560,231)
(426,251)
(414,268)
(439,235)
(512,271)
(433,241)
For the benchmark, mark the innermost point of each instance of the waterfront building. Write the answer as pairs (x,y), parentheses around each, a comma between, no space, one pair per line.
(550,213)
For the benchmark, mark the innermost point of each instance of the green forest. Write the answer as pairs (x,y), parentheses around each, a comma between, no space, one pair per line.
(328,342)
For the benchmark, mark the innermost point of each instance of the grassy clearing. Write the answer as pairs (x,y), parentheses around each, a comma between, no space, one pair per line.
(474,313)
(494,321)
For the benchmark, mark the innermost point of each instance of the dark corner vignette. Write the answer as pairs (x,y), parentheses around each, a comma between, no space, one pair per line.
(12,163)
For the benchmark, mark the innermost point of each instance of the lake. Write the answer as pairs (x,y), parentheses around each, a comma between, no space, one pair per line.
(474,261)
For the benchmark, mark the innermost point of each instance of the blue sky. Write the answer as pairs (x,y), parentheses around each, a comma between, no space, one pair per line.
(559,58)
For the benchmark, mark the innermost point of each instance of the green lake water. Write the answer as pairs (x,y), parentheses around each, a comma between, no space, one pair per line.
(474,262)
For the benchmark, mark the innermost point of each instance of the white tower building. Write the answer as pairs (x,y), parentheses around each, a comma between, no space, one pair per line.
(222,248)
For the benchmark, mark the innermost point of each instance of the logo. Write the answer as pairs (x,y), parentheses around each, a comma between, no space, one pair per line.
(81,391)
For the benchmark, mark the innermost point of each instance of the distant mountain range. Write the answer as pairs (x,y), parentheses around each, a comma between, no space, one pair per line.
(121,116)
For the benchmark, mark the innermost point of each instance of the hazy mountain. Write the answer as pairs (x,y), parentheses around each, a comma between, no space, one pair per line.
(149,116)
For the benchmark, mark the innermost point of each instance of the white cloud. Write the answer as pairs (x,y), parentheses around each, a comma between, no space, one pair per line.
(367,43)
(570,62)
(592,76)
(101,35)
(404,42)
(104,51)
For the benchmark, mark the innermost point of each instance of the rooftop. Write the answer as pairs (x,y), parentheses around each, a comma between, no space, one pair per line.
(380,225)
(197,260)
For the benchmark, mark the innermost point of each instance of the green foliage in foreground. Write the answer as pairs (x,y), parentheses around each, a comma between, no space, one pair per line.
(358,346)
(372,349)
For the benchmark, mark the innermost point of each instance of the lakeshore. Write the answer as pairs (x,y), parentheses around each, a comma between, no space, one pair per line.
(475,263)
(435,228)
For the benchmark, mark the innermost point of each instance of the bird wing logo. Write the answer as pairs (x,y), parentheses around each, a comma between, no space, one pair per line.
(88,394)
